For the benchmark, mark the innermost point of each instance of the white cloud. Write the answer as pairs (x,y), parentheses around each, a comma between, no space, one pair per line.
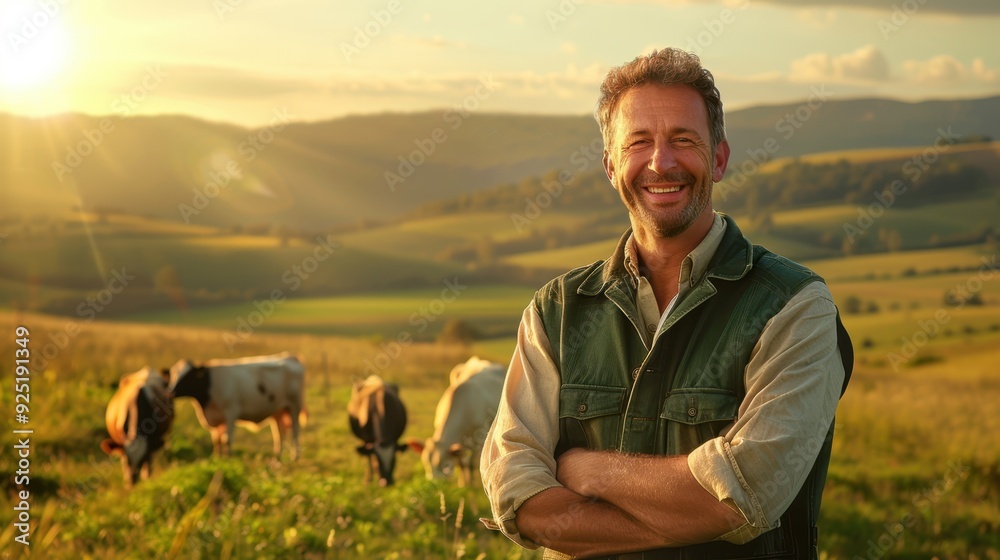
(866,64)
(945,69)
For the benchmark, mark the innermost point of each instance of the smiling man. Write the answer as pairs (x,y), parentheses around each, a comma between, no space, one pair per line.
(677,399)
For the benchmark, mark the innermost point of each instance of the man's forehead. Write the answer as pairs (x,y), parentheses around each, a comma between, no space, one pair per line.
(651,103)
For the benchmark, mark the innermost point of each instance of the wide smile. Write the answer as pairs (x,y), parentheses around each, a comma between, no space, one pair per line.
(664,190)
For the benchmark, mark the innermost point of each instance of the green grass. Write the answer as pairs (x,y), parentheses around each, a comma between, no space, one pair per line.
(900,435)
(899,263)
(493,310)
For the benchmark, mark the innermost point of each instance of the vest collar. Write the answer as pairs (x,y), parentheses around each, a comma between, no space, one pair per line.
(731,261)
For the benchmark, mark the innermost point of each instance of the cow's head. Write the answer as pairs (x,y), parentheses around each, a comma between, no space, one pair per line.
(385,457)
(189,380)
(439,459)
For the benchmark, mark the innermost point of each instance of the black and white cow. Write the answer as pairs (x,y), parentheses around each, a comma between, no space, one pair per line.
(245,390)
(138,419)
(378,419)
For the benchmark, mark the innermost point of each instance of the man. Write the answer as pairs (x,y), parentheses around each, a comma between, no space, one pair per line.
(676,400)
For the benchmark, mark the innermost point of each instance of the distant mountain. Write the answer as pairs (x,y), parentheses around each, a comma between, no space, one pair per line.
(363,168)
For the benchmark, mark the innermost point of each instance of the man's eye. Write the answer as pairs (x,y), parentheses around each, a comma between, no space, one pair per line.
(683,139)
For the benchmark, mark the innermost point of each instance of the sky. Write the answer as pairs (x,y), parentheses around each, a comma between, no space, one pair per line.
(244,61)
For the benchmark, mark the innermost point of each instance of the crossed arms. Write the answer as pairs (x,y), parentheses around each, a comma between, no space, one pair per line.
(733,487)
(612,503)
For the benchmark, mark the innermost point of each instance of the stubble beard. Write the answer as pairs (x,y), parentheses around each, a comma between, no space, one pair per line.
(666,226)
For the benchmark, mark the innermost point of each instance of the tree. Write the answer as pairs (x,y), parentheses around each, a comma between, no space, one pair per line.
(852,305)
(457,331)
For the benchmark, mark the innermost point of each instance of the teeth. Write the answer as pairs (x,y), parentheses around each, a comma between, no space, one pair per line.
(656,190)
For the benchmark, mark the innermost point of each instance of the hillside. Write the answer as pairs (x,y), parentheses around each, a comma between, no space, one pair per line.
(322,174)
(516,235)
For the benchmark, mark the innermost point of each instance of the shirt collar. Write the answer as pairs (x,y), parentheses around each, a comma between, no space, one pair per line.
(695,264)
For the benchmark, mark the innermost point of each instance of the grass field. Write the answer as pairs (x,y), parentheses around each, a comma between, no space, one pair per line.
(492,310)
(914,442)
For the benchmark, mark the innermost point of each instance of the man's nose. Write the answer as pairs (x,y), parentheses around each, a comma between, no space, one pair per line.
(663,159)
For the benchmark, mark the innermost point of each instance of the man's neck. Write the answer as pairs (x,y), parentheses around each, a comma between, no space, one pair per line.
(663,257)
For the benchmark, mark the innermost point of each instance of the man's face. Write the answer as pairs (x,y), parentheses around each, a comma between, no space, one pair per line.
(661,160)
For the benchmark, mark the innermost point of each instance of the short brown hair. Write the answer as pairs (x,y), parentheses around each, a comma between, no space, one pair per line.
(665,66)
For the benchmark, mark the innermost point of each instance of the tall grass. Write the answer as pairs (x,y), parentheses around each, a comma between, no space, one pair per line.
(914,449)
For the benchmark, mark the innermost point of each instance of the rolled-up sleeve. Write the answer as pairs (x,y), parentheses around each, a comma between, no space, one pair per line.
(518,456)
(793,381)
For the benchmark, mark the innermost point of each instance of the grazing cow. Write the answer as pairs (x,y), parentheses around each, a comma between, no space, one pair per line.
(463,417)
(378,419)
(138,418)
(245,390)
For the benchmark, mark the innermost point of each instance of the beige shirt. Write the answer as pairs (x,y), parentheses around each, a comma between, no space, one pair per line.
(756,465)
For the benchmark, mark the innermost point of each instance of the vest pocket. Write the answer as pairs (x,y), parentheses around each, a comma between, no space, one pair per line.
(691,417)
(590,416)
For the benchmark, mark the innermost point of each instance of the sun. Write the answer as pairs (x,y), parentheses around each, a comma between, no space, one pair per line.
(34,51)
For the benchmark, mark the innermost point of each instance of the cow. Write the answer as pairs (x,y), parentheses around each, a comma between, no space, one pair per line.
(378,418)
(138,419)
(463,417)
(246,390)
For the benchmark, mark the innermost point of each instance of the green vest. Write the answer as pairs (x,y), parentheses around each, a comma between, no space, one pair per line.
(681,393)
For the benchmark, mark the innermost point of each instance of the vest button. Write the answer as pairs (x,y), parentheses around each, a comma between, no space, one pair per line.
(635,374)
(692,412)
(582,407)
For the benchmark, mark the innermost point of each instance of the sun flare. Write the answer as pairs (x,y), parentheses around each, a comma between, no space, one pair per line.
(34,53)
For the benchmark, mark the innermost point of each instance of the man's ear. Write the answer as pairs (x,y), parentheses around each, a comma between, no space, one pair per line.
(609,168)
(720,161)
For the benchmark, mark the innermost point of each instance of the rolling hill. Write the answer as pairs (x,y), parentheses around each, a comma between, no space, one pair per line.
(322,174)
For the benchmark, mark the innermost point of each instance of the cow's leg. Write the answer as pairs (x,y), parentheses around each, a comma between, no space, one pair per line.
(372,467)
(216,432)
(277,429)
(227,438)
(147,468)
(126,471)
(294,414)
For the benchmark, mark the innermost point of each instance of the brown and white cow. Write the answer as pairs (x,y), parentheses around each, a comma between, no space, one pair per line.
(249,391)
(378,418)
(463,418)
(138,419)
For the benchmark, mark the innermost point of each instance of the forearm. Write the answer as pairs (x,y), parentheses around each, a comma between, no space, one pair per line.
(658,492)
(563,520)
